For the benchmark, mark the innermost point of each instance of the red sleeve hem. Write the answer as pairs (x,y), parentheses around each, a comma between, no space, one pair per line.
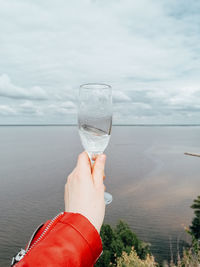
(86,229)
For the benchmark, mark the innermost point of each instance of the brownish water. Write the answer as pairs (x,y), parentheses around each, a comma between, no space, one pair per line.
(152,182)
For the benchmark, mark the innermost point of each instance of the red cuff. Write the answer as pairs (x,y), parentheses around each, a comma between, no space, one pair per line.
(86,229)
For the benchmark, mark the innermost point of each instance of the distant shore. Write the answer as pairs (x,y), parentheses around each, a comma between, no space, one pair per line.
(134,125)
(192,154)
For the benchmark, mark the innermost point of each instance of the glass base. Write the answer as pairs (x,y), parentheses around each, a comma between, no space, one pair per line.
(108,198)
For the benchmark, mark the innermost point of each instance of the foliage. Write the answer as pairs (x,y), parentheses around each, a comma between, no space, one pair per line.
(133,260)
(117,240)
(191,255)
(195,227)
(189,259)
(122,248)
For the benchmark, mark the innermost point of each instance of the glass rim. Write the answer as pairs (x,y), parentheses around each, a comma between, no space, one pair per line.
(93,86)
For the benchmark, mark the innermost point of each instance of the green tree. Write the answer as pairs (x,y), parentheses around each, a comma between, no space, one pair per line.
(195,227)
(119,239)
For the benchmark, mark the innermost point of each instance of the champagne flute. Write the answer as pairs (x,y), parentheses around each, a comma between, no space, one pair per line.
(95,120)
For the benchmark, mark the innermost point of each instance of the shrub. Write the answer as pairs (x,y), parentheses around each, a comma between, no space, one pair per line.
(132,260)
(122,248)
(195,227)
(117,240)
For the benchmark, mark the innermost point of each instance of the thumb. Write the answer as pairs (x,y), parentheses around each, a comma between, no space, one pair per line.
(98,169)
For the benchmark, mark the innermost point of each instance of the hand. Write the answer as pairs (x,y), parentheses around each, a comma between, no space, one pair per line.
(84,190)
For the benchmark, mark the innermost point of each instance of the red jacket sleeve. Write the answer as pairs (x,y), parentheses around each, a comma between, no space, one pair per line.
(71,241)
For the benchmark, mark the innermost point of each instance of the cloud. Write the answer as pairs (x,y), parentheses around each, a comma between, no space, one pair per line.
(8,89)
(31,108)
(68,105)
(39,112)
(6,110)
(147,50)
(119,96)
(28,108)
(62,108)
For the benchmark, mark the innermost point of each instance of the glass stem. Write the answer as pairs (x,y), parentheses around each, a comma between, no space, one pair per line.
(90,154)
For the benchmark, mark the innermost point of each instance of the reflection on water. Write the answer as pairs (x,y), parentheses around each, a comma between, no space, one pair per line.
(152,182)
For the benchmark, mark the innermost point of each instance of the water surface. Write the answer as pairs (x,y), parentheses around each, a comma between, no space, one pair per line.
(152,182)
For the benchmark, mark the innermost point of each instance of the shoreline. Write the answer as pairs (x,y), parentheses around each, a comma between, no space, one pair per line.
(119,125)
(192,154)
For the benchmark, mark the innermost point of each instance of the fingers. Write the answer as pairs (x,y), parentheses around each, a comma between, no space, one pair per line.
(98,169)
(94,157)
(83,164)
(104,177)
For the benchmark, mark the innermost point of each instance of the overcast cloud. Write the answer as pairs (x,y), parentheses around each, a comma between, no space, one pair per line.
(148,50)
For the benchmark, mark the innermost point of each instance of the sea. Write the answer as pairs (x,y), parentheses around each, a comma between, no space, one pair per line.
(152,181)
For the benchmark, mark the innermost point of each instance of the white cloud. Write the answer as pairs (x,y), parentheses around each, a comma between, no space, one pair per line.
(119,96)
(6,110)
(29,108)
(8,89)
(68,105)
(62,108)
(147,50)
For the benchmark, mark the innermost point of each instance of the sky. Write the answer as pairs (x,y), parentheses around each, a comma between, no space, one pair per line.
(147,50)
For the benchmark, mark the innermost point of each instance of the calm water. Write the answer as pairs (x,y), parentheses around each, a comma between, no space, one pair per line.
(152,182)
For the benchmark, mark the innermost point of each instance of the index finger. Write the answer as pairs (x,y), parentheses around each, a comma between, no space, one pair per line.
(98,170)
(84,164)
(94,157)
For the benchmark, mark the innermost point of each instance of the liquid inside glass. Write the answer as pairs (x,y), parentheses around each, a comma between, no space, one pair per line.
(94,140)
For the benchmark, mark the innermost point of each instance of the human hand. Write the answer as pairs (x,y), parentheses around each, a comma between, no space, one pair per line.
(84,190)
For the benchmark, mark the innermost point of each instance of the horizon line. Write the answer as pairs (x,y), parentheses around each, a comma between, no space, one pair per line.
(69,124)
